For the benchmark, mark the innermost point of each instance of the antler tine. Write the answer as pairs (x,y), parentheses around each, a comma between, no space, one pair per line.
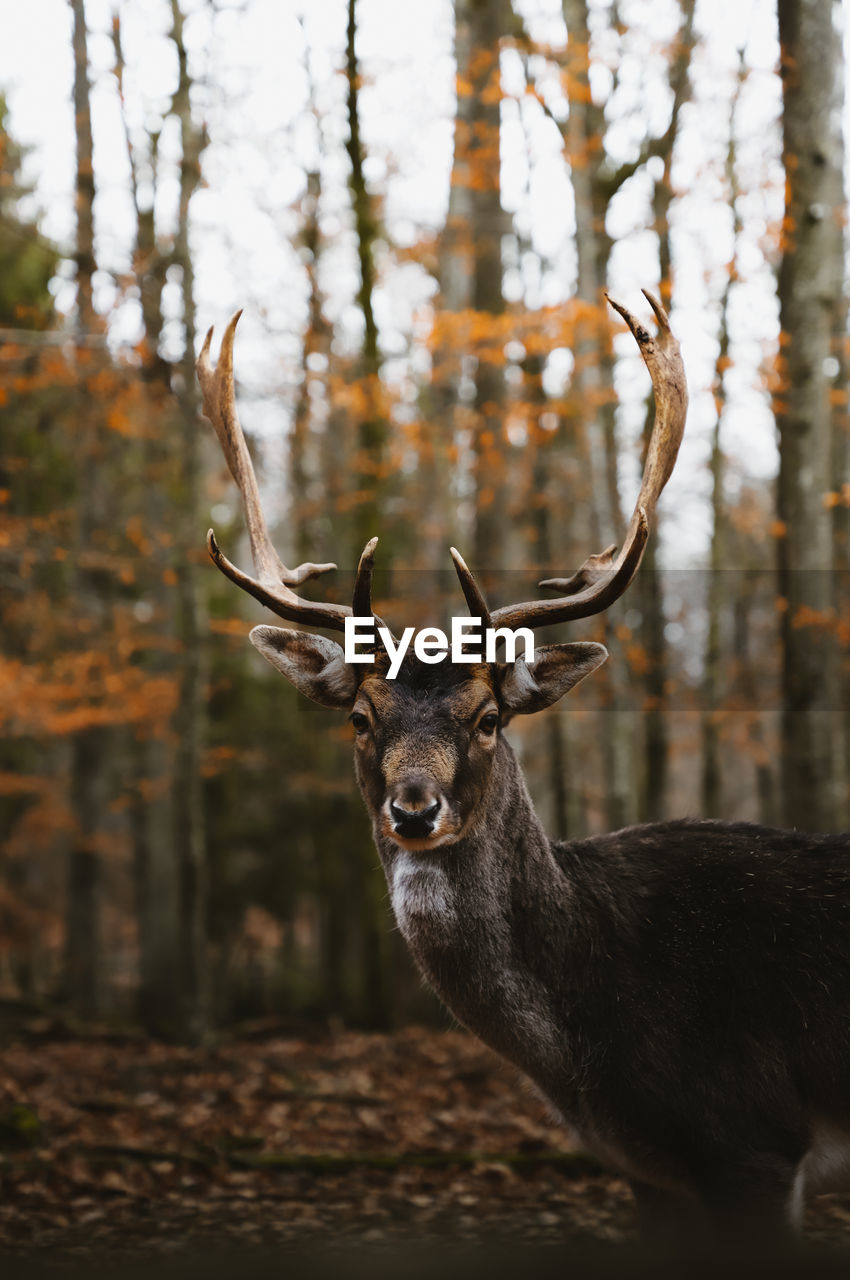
(274,580)
(361,601)
(475,601)
(602,579)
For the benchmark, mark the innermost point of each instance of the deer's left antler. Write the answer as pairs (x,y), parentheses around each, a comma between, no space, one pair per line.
(603,577)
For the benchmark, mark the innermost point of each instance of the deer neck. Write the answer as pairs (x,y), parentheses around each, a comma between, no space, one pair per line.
(473,913)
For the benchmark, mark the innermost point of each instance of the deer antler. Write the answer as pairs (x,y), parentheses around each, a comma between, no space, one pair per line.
(602,579)
(272,586)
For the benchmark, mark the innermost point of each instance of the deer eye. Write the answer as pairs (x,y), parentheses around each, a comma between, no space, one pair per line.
(489,724)
(360,722)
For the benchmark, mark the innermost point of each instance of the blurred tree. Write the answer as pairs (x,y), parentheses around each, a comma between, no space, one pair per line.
(303,467)
(369,483)
(28,263)
(28,260)
(370,461)
(478,158)
(652,782)
(810,300)
(151,813)
(91,743)
(716,604)
(469,325)
(712,687)
(189,724)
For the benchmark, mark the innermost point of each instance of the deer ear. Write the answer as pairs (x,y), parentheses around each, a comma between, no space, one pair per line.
(316,666)
(531,686)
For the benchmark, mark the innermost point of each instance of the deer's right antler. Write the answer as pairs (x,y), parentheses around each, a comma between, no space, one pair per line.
(272,586)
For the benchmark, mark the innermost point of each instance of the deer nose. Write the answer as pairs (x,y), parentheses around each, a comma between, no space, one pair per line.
(414,823)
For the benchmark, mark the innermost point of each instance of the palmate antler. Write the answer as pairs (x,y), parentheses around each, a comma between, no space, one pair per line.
(272,586)
(602,579)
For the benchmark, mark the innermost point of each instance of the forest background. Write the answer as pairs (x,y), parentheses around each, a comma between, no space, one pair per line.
(420,208)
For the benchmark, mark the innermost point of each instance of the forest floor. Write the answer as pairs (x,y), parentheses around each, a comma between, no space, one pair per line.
(124,1149)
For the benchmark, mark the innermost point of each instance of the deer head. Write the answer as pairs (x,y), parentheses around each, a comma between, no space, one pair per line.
(428,742)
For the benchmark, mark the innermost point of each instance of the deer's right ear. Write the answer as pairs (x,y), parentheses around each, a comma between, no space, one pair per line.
(316,666)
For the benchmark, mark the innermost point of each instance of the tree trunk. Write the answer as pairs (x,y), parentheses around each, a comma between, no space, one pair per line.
(83,941)
(369,516)
(711,778)
(303,462)
(455,277)
(152,836)
(712,689)
(189,722)
(540,537)
(369,459)
(594,397)
(89,747)
(478,157)
(152,824)
(84,182)
(810,280)
(650,585)
(749,659)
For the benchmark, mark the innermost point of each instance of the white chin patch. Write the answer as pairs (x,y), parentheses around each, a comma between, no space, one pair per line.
(420,890)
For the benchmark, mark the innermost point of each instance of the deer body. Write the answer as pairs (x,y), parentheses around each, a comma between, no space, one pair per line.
(680,993)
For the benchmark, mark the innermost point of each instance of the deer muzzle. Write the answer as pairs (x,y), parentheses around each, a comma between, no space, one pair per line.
(414,824)
(415,808)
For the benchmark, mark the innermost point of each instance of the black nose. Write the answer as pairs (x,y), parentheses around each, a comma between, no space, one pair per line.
(414,822)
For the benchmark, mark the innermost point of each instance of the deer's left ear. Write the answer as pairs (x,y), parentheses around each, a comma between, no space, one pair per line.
(316,666)
(530,686)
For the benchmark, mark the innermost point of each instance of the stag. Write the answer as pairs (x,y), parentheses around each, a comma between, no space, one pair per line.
(678,992)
